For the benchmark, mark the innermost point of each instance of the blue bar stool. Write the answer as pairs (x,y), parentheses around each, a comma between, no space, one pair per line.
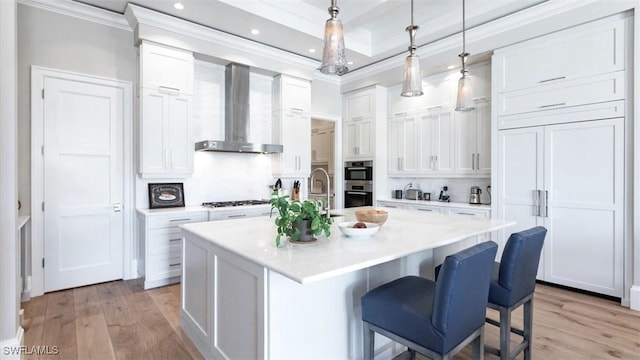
(512,284)
(438,318)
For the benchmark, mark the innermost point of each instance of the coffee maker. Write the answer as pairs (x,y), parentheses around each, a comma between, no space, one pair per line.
(474,197)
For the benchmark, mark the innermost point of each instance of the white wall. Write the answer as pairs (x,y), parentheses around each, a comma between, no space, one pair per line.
(62,42)
(326,97)
(9,301)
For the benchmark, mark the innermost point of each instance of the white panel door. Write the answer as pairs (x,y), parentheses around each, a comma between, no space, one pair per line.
(520,174)
(83,187)
(584,177)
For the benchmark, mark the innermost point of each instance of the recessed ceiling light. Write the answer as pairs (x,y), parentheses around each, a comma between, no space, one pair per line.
(178,6)
(255,31)
(312,50)
(349,62)
(451,67)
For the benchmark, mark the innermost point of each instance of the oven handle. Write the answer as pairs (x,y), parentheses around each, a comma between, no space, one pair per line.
(356,168)
(356,193)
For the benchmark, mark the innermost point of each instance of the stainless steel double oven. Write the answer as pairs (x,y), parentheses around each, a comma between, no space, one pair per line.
(358,184)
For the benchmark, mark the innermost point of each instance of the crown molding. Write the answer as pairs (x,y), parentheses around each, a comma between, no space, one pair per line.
(475,38)
(148,22)
(80,11)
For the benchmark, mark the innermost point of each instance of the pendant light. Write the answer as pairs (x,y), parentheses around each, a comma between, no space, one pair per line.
(464,101)
(333,59)
(412,85)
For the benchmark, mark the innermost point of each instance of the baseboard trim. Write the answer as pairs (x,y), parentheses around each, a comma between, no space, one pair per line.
(634,298)
(12,348)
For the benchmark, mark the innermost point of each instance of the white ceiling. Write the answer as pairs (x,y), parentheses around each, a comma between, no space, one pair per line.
(374,29)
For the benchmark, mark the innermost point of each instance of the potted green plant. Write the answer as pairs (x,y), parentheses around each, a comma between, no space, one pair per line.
(299,220)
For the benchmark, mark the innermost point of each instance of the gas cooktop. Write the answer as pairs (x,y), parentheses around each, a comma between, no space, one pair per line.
(216,204)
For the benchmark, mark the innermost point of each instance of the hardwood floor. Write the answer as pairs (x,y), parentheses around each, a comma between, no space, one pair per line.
(119,320)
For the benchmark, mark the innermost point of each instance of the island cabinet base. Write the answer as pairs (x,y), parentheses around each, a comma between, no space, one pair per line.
(233,308)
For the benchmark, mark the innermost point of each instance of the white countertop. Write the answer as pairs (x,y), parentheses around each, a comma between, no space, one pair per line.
(196,208)
(405,232)
(437,203)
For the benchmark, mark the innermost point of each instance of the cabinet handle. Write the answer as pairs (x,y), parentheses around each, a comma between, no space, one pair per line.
(236,216)
(297,109)
(357,150)
(552,79)
(478,161)
(545,203)
(175,239)
(357,118)
(117,207)
(434,108)
(400,113)
(551,105)
(419,209)
(175,220)
(465,213)
(170,89)
(174,264)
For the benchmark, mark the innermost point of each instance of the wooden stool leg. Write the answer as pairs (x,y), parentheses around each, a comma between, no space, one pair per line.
(505,333)
(528,326)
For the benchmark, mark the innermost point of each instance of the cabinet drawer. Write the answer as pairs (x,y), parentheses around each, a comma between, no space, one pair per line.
(470,212)
(166,67)
(595,89)
(583,51)
(604,110)
(173,220)
(163,241)
(423,208)
(163,266)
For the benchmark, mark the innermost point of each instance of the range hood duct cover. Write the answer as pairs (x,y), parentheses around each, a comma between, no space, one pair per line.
(236,116)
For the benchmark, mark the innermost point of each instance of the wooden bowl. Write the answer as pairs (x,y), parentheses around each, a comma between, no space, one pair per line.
(372,216)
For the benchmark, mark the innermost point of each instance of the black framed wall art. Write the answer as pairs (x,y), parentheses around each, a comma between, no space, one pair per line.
(166,195)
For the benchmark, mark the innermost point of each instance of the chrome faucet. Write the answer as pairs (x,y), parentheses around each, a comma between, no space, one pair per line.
(313,174)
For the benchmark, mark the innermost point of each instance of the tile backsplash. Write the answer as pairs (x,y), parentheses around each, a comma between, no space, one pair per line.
(459,189)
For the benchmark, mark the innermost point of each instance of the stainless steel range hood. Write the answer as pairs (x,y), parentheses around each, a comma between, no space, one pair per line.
(236,117)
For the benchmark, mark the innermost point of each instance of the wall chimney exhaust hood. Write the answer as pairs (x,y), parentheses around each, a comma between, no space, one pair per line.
(236,117)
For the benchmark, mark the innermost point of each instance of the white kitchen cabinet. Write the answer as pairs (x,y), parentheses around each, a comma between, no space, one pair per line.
(402,152)
(358,139)
(360,104)
(160,244)
(321,146)
(439,91)
(291,93)
(164,67)
(425,208)
(484,213)
(580,52)
(390,204)
(290,128)
(239,212)
(435,144)
(401,105)
(571,94)
(473,140)
(568,178)
(166,140)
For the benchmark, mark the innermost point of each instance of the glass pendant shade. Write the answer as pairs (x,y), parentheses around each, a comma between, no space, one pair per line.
(464,101)
(334,60)
(412,85)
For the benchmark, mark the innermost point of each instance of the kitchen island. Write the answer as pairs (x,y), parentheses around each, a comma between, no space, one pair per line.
(243,298)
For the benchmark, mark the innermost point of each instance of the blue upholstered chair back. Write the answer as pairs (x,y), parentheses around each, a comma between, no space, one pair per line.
(519,263)
(462,291)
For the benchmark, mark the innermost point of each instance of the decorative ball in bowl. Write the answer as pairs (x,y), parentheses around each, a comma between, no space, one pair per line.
(358,228)
(377,216)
